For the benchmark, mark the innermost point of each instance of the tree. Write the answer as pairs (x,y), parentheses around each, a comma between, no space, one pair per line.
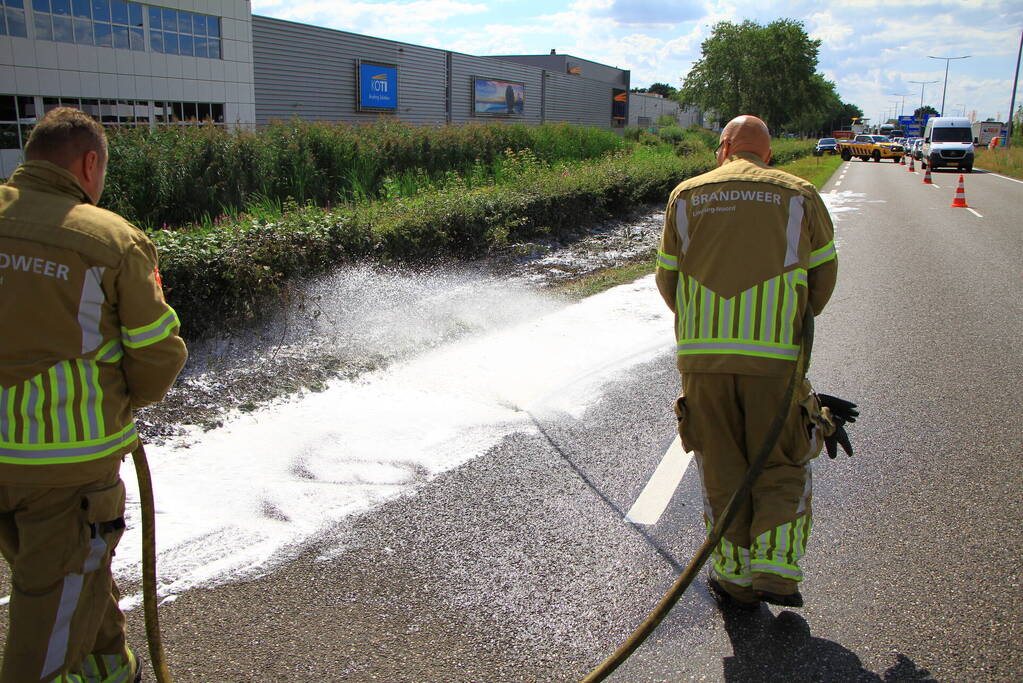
(768,71)
(663,89)
(920,112)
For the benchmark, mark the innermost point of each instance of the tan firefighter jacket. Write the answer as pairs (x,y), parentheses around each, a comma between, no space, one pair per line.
(87,335)
(744,247)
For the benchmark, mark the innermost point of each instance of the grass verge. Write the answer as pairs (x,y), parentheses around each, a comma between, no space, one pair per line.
(817,170)
(1008,162)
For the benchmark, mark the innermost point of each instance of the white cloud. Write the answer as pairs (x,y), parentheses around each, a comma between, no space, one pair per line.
(385,19)
(870,48)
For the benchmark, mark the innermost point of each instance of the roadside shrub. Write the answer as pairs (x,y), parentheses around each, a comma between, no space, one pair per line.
(174,175)
(225,272)
(672,134)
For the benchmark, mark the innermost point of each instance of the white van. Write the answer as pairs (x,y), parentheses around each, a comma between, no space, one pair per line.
(948,141)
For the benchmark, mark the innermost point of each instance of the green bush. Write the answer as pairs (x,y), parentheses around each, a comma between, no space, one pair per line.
(785,150)
(671,134)
(174,175)
(226,271)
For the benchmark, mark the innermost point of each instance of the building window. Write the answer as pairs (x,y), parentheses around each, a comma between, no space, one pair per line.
(12,18)
(175,32)
(106,23)
(188,113)
(17,116)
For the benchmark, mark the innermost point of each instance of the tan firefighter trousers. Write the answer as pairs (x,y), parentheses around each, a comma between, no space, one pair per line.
(724,419)
(59,543)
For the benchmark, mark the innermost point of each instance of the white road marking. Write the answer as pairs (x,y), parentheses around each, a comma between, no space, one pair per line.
(657,493)
(936,187)
(837,183)
(973,212)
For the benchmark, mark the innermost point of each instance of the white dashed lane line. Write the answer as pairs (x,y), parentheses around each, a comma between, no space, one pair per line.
(974,212)
(657,493)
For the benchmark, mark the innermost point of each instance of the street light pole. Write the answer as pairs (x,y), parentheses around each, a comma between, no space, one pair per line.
(922,84)
(945,87)
(1012,102)
(902,106)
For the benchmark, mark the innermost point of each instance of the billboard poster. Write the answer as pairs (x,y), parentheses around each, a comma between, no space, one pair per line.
(377,85)
(492,97)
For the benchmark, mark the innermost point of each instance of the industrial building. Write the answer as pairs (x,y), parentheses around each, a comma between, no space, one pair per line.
(645,109)
(126,63)
(185,62)
(324,74)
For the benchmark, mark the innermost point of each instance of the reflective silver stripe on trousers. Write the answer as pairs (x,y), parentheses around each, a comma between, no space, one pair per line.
(682,224)
(772,568)
(56,650)
(90,308)
(793,230)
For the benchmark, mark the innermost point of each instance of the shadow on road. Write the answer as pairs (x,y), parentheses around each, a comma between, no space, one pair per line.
(781,648)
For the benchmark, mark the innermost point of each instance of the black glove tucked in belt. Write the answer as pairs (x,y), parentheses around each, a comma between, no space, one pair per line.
(841,412)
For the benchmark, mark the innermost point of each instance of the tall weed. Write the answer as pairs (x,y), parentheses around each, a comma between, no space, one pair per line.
(173,176)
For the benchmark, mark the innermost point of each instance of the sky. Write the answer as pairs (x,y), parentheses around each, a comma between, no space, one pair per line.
(873,51)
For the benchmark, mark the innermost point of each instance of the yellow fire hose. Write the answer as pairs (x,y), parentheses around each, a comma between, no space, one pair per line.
(156,654)
(735,504)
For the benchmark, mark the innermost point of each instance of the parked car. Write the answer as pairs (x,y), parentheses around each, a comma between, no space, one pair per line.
(826,146)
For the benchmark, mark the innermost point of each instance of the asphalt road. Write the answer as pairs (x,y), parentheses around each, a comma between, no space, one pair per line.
(519,565)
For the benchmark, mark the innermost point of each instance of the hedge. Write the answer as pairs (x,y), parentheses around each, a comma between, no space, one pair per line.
(221,275)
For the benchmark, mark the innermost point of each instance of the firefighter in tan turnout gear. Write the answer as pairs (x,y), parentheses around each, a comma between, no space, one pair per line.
(87,338)
(745,249)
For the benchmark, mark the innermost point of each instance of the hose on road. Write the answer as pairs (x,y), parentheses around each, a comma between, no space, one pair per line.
(735,504)
(156,654)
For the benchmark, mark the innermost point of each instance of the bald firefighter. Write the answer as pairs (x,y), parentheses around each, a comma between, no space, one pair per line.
(745,249)
(87,338)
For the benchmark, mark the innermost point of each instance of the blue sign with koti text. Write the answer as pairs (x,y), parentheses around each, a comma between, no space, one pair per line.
(378,86)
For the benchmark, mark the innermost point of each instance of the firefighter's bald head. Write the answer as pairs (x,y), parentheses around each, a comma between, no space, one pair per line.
(745,133)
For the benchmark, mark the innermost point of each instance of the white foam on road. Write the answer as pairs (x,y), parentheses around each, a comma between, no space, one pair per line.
(239,500)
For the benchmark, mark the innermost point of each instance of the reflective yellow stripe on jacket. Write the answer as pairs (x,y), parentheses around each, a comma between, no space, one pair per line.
(57,416)
(757,322)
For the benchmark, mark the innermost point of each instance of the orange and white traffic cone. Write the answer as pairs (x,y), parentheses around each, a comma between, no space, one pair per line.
(927,175)
(912,167)
(959,202)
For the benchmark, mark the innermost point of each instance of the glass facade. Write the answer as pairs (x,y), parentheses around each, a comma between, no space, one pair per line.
(119,24)
(18,113)
(12,18)
(175,32)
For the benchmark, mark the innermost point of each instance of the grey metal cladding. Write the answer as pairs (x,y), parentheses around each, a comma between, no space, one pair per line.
(308,71)
(562,63)
(464,67)
(578,100)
